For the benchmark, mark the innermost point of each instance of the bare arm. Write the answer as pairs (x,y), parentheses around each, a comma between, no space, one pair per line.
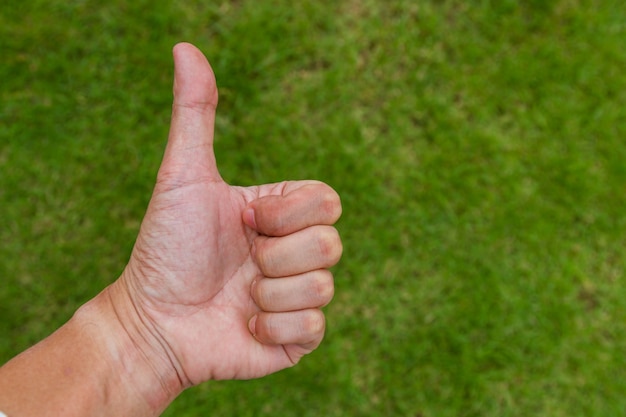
(223,282)
(88,367)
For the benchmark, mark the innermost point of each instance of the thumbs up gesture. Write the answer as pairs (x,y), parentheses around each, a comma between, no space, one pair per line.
(224,281)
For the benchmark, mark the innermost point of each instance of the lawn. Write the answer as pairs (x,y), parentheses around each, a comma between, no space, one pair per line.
(479,148)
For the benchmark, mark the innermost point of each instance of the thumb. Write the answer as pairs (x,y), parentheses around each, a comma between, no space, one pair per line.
(189,153)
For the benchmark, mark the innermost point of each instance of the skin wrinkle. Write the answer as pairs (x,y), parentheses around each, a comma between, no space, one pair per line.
(317,290)
(178,372)
(159,272)
(166,183)
(200,306)
(147,266)
(178,314)
(292,360)
(171,356)
(201,107)
(252,237)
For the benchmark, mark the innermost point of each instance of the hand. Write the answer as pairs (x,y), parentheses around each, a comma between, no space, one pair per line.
(225,282)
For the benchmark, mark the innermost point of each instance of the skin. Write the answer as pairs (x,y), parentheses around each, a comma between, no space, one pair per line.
(223,282)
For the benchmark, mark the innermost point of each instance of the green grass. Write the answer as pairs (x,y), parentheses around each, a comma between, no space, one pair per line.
(479,148)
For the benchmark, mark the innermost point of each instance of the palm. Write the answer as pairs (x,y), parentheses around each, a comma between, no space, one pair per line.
(199,252)
(207,293)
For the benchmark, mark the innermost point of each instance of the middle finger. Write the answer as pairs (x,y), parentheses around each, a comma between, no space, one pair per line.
(316,247)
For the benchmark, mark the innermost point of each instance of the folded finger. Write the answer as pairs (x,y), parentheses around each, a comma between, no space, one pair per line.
(299,205)
(310,290)
(304,328)
(316,247)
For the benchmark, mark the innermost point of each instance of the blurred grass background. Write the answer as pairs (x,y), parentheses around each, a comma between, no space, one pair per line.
(478,146)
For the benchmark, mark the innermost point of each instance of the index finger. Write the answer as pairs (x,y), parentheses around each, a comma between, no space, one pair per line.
(300,205)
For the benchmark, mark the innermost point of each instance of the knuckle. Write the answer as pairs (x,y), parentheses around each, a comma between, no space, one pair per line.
(314,322)
(323,287)
(330,205)
(330,246)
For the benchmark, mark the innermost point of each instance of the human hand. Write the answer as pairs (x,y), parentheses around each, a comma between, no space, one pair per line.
(224,282)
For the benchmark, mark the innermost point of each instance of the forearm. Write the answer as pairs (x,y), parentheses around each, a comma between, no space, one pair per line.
(90,366)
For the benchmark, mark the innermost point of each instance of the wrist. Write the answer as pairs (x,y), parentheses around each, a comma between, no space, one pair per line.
(135,356)
(100,363)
